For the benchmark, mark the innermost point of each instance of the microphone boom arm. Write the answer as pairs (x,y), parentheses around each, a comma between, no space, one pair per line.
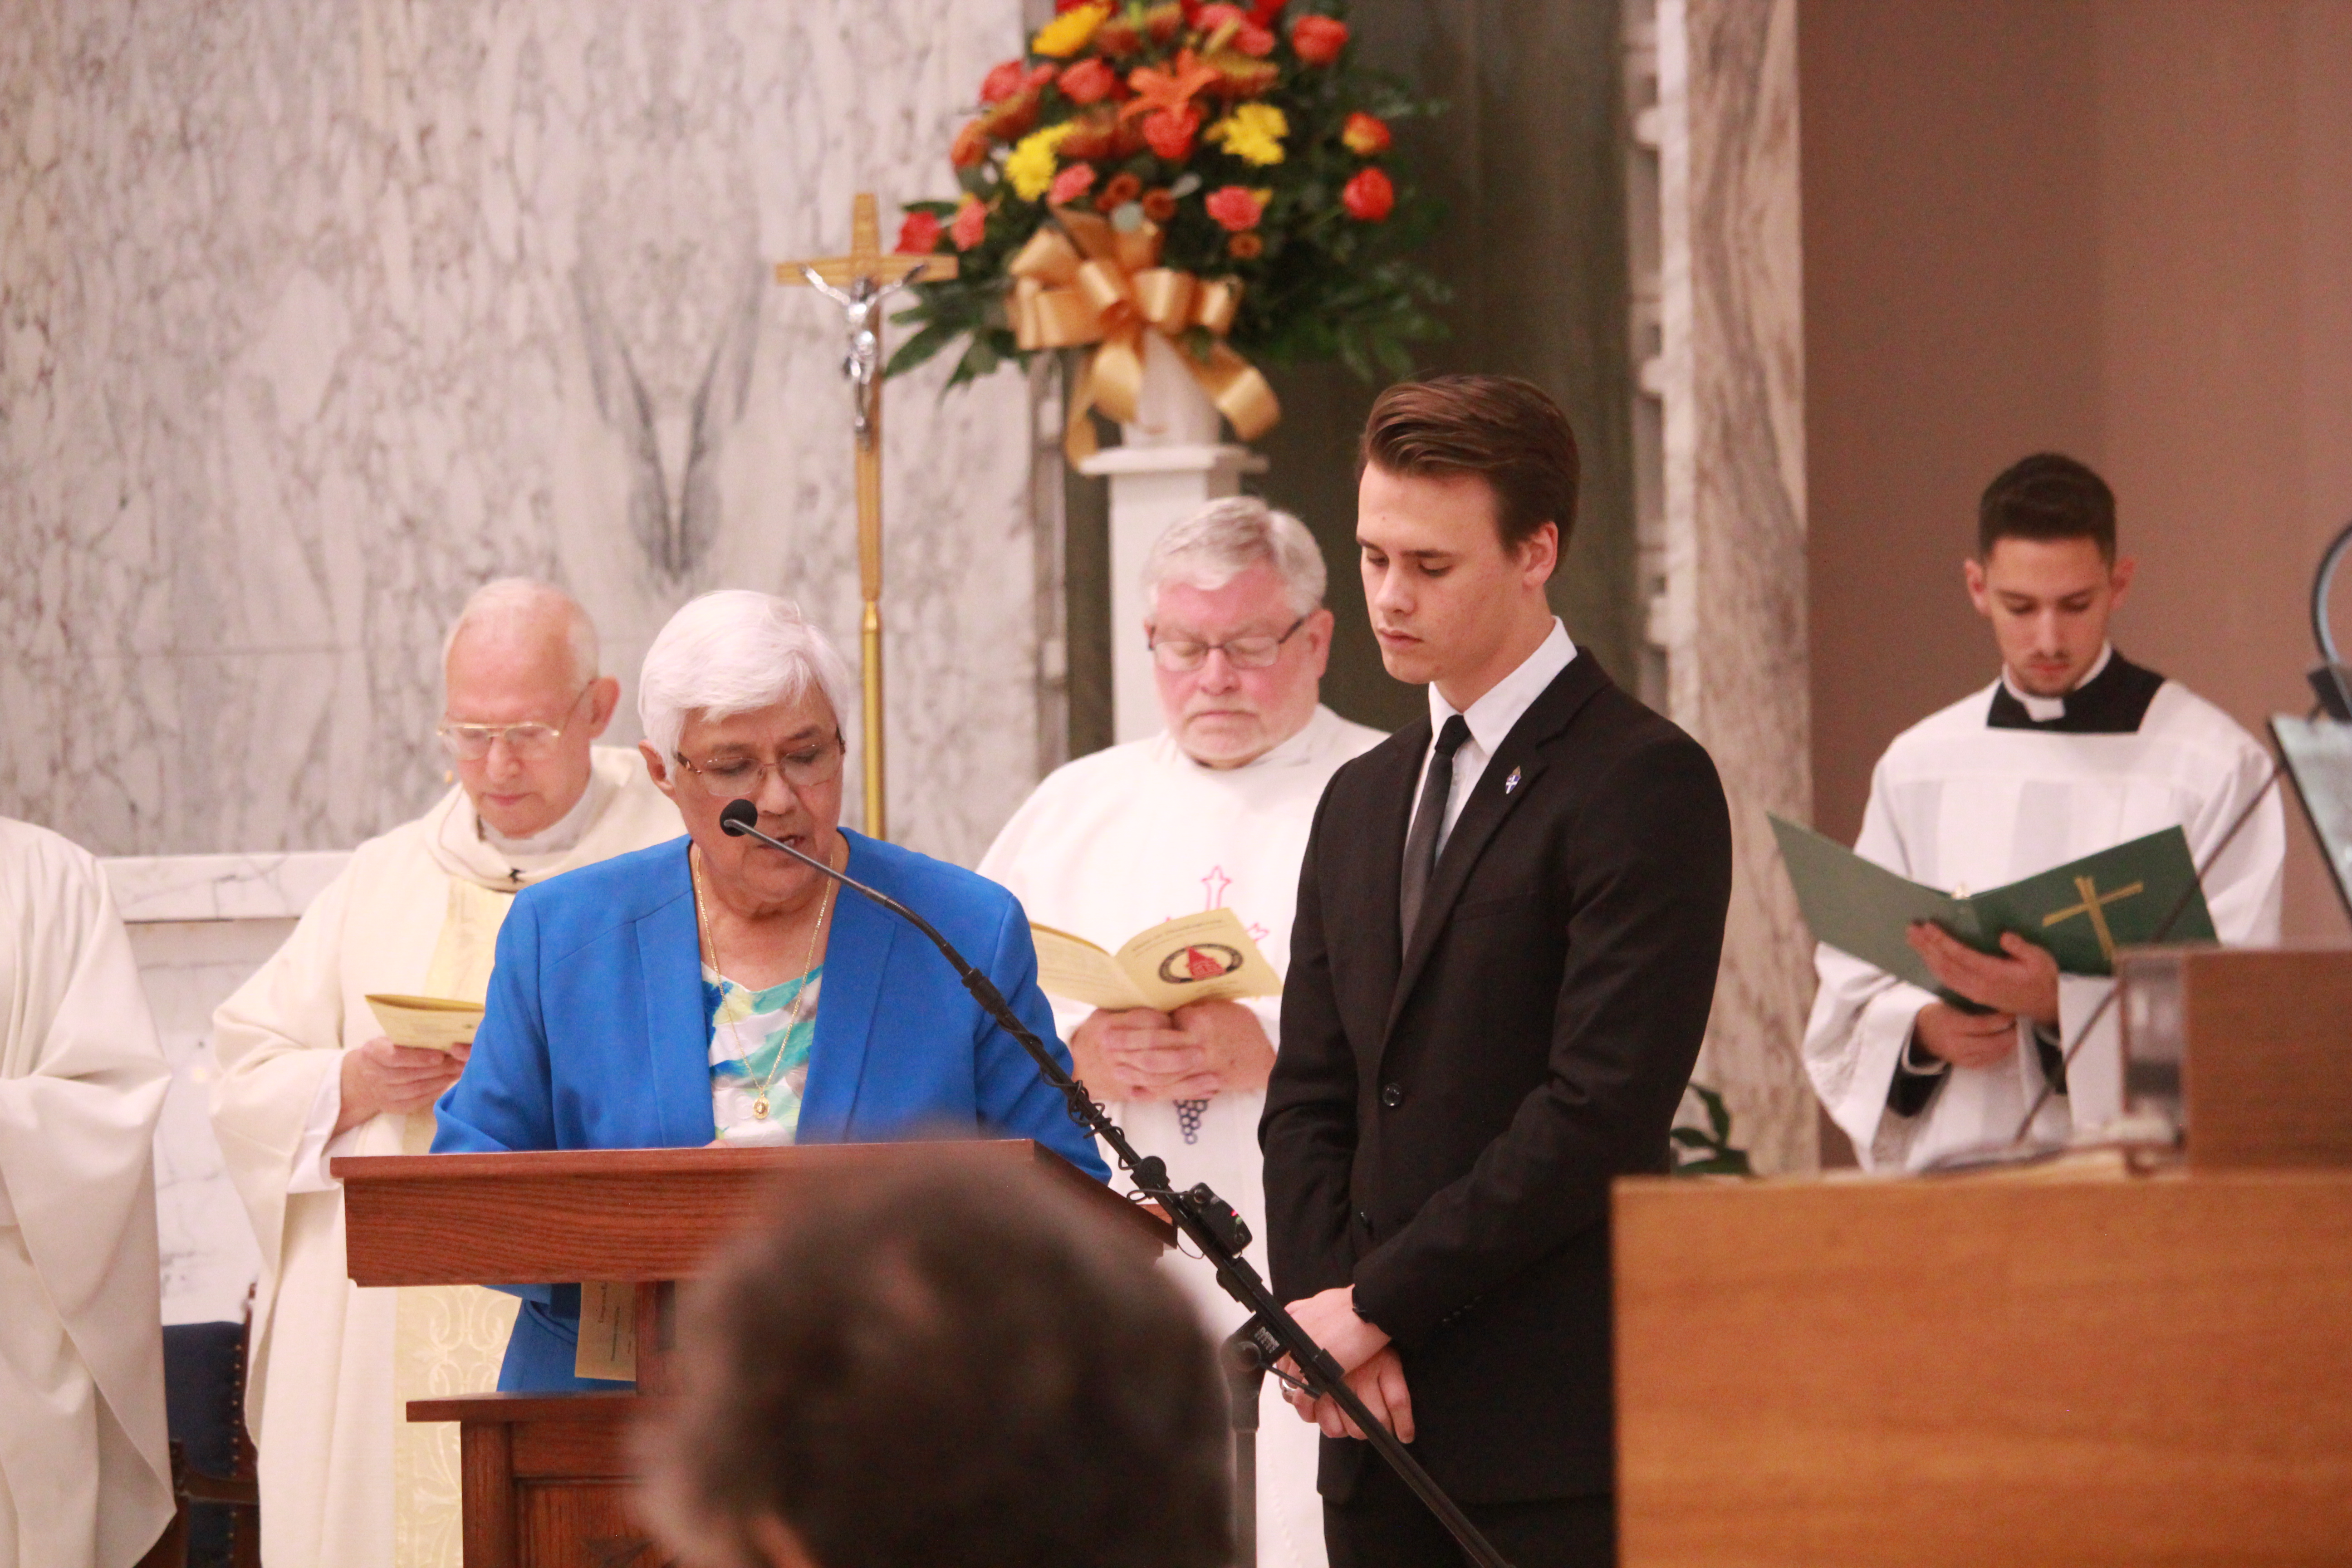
(1206,1219)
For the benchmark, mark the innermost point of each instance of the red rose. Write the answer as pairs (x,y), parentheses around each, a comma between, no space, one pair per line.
(1266,11)
(1001,82)
(971,226)
(920,234)
(1170,132)
(1235,207)
(1319,39)
(1369,196)
(1248,35)
(1088,82)
(1070,184)
(1366,136)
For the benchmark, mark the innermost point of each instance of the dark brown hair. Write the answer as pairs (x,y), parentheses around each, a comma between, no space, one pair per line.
(2047,496)
(960,1369)
(1499,428)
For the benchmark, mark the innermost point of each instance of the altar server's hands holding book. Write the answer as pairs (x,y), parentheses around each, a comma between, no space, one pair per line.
(422,1051)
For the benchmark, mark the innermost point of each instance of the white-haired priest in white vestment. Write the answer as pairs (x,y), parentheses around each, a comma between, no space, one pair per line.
(1212,811)
(2073,750)
(307,1075)
(85,1474)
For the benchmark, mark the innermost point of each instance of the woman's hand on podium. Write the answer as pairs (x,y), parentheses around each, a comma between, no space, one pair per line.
(380,1077)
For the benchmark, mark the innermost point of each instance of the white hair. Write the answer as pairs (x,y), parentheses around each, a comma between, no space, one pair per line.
(1225,539)
(730,652)
(515,597)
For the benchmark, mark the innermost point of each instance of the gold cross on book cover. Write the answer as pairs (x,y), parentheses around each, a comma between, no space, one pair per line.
(2141,891)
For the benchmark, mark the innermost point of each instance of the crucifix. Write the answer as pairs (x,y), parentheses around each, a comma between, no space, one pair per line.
(858,284)
(2095,904)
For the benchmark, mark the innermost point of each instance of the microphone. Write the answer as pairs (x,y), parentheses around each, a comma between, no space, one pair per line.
(1207,1219)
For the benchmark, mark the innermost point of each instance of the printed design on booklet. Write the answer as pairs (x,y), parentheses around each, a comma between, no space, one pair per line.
(1209,960)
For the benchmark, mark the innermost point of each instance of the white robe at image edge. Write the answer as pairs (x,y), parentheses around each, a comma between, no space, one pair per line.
(85,1469)
(1955,803)
(1118,841)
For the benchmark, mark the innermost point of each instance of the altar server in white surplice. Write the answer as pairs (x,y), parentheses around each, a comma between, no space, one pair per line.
(2073,750)
(85,1475)
(1214,812)
(308,1076)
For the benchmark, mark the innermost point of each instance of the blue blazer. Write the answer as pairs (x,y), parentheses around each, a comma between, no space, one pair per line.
(595,1036)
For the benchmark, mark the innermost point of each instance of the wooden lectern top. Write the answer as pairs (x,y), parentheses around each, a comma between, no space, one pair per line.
(628,1214)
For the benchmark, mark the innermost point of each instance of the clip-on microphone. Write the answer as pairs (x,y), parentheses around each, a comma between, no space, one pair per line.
(1207,1219)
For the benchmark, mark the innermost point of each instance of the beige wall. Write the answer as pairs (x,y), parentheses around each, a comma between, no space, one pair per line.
(2120,228)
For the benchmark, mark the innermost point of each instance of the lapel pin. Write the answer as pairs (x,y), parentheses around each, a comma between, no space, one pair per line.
(1512,783)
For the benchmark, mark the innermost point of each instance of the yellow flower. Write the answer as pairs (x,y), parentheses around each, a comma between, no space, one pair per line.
(1251,133)
(1034,160)
(1068,33)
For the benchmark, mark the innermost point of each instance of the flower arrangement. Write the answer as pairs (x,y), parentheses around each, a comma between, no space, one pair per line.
(1219,173)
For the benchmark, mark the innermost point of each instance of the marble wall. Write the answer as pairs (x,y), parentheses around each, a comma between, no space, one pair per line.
(315,315)
(1731,622)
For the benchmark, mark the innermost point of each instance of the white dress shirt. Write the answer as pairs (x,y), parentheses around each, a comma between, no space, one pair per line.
(1490,718)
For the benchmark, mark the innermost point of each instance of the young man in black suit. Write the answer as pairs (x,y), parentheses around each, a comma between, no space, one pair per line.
(1507,930)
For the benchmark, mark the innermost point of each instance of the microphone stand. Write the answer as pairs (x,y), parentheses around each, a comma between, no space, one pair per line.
(1206,1218)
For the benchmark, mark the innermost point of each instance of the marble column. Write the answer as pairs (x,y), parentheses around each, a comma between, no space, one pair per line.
(314,315)
(1731,619)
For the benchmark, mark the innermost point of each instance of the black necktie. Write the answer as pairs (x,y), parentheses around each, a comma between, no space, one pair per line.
(1428,820)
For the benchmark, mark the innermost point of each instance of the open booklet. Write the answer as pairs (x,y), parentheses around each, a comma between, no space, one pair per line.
(2141,891)
(427,1023)
(1206,957)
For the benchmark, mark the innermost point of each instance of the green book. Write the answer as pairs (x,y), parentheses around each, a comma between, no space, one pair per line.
(2142,892)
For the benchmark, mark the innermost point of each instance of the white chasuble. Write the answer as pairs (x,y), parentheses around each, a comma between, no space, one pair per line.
(85,1472)
(1117,842)
(1979,796)
(343,1481)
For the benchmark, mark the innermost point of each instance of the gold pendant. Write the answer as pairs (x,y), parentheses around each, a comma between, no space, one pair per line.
(760,1110)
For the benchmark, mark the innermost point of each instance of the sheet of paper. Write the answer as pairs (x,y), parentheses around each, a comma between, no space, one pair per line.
(427,1023)
(608,1332)
(1072,967)
(1207,957)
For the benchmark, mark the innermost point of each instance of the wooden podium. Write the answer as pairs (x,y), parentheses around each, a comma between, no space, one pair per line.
(2095,1361)
(546,1475)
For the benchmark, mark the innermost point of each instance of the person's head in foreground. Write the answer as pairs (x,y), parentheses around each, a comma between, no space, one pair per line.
(1238,632)
(1466,501)
(955,1370)
(2045,573)
(523,701)
(742,699)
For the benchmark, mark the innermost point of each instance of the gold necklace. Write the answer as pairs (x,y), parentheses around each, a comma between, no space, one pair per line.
(708,931)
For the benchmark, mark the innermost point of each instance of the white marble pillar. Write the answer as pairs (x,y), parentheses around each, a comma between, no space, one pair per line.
(1731,619)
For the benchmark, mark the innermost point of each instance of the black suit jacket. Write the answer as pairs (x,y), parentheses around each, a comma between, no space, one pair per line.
(1443,1122)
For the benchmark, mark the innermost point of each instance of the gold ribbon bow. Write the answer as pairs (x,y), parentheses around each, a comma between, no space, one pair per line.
(1087,282)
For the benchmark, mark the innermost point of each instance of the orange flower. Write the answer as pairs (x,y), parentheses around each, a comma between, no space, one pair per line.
(1070,184)
(1159,205)
(1088,82)
(1170,132)
(1238,76)
(1319,39)
(1235,207)
(1230,24)
(1012,119)
(1369,197)
(1245,247)
(1158,91)
(1162,21)
(970,148)
(920,234)
(1366,137)
(1095,135)
(1122,189)
(971,226)
(1116,39)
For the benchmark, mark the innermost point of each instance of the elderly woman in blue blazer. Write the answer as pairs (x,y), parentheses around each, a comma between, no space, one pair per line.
(713,990)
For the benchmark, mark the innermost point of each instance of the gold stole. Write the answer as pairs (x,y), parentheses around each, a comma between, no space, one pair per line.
(449,1339)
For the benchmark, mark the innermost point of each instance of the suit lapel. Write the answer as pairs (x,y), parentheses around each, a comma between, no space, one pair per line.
(1482,814)
(855,956)
(677,1034)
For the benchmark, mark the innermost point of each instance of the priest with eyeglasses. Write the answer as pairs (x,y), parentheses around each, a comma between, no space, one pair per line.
(307,1075)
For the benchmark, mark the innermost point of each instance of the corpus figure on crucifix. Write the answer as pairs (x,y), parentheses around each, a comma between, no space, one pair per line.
(859,282)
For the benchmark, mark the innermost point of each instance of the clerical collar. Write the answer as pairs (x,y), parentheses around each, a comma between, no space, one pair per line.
(2111,700)
(558,838)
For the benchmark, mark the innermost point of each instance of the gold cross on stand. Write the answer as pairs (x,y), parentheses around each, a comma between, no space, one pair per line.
(2095,904)
(859,282)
